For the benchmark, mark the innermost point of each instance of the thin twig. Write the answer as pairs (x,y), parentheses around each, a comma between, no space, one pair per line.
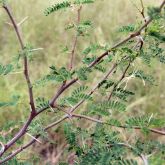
(98,59)
(124,127)
(75,39)
(26,69)
(93,90)
(121,78)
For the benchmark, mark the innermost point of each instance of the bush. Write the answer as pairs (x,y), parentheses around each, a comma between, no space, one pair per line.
(106,140)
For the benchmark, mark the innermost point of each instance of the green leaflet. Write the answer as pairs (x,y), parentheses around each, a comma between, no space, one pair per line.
(106,84)
(141,75)
(146,147)
(82,73)
(93,48)
(36,127)
(103,108)
(79,90)
(145,121)
(154,12)
(70,134)
(76,96)
(122,93)
(128,28)
(4,70)
(3,2)
(14,102)
(57,75)
(65,4)
(42,103)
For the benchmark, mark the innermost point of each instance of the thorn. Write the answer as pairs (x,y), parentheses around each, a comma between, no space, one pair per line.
(79,82)
(150,118)
(52,109)
(16,72)
(2,148)
(37,49)
(34,138)
(21,22)
(9,24)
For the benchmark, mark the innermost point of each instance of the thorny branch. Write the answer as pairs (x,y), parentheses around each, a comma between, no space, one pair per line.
(26,67)
(75,40)
(65,86)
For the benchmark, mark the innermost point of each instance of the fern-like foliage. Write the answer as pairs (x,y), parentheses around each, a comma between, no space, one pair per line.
(128,28)
(93,48)
(145,121)
(83,73)
(144,77)
(6,69)
(36,127)
(105,107)
(42,103)
(13,102)
(56,75)
(76,96)
(65,4)
(122,93)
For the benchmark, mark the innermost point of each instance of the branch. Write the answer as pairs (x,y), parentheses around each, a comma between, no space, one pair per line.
(26,69)
(93,90)
(126,39)
(121,78)
(31,142)
(75,40)
(64,118)
(142,157)
(124,127)
(98,59)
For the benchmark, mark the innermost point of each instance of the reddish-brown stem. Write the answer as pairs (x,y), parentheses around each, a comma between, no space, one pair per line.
(26,69)
(93,90)
(75,39)
(74,116)
(26,73)
(98,59)
(102,122)
(31,142)
(142,11)
(121,78)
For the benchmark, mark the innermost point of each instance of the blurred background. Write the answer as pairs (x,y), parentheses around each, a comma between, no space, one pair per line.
(48,32)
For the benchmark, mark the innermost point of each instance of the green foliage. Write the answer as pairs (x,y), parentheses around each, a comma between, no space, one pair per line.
(36,128)
(4,70)
(144,77)
(145,121)
(16,162)
(13,102)
(56,75)
(3,2)
(82,28)
(128,28)
(106,84)
(65,4)
(122,93)
(99,143)
(82,73)
(42,103)
(93,48)
(105,107)
(154,12)
(148,147)
(88,60)
(76,96)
